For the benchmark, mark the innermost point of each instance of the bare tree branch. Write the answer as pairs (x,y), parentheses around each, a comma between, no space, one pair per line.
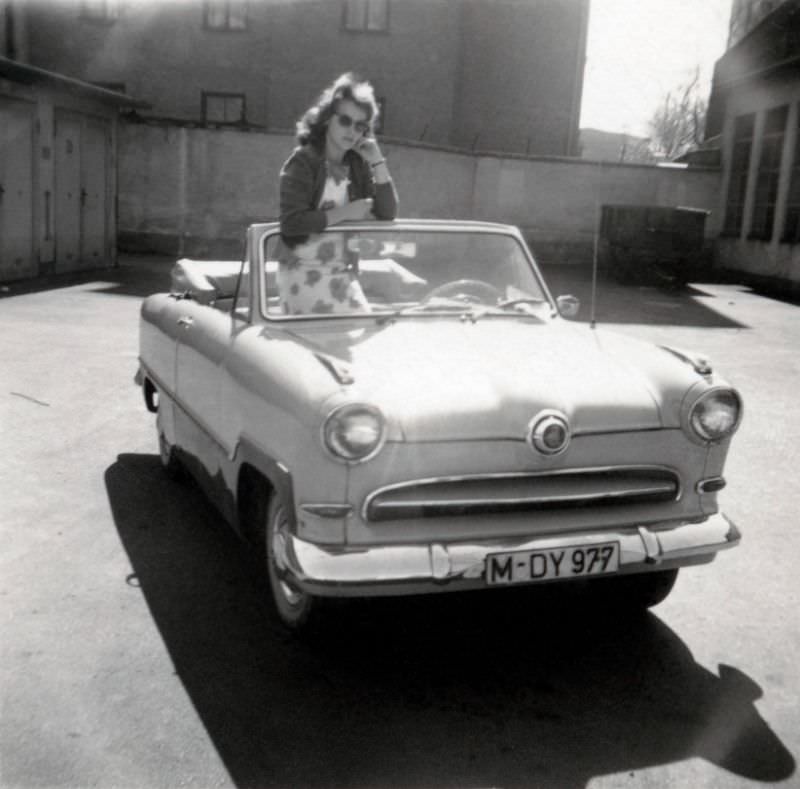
(678,123)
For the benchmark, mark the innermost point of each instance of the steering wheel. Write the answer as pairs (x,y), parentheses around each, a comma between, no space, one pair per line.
(467,290)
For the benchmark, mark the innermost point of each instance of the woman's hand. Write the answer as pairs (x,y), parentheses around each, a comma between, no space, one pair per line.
(359,209)
(369,150)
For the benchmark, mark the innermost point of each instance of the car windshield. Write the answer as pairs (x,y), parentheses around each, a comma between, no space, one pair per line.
(400,271)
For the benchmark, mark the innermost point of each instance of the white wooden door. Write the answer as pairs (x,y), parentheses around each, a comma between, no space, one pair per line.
(17,252)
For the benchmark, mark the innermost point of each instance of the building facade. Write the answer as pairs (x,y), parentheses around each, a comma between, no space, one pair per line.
(754,110)
(502,75)
(746,15)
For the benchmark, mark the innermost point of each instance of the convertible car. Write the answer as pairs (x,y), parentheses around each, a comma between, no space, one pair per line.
(449,429)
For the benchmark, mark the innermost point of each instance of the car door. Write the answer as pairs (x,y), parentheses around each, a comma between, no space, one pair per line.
(206,337)
(203,340)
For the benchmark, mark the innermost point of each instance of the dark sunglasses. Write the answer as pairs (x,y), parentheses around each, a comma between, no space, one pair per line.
(362,127)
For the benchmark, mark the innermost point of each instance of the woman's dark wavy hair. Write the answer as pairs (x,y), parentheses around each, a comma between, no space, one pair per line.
(311,128)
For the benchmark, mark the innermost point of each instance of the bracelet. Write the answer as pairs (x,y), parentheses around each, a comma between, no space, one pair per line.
(378,163)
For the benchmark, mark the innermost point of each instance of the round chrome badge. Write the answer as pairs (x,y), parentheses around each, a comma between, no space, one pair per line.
(548,432)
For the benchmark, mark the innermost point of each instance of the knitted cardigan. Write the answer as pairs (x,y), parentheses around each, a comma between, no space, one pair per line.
(302,181)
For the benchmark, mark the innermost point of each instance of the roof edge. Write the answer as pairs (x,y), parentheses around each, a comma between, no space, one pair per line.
(29,75)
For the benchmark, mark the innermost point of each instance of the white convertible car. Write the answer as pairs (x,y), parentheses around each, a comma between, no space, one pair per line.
(458,433)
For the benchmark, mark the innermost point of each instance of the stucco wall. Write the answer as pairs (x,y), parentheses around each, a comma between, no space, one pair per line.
(194,190)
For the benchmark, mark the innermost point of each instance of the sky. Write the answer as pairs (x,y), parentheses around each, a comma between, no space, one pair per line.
(638,50)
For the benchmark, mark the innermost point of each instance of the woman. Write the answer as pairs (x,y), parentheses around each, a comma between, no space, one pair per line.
(336,173)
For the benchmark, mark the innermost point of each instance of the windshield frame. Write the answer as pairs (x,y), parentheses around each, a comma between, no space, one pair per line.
(268,232)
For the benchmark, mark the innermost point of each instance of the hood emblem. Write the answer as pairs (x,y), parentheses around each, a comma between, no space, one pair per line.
(548,432)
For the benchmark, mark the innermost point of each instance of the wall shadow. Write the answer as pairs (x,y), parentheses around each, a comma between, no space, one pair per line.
(134,276)
(141,275)
(523,689)
(623,303)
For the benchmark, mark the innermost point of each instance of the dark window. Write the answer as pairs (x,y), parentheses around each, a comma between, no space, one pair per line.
(769,171)
(225,15)
(223,107)
(100,10)
(791,222)
(740,162)
(366,16)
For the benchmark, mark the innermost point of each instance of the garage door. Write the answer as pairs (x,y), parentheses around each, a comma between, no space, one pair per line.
(82,195)
(17,258)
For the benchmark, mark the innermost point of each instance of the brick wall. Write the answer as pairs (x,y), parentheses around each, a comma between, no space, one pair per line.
(497,74)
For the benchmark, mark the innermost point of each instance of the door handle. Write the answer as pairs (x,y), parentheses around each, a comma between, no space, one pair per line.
(185,321)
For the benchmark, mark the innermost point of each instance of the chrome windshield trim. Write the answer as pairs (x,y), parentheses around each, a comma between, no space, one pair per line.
(522,475)
(262,232)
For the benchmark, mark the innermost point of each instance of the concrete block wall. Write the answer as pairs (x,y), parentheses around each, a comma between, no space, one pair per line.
(193,191)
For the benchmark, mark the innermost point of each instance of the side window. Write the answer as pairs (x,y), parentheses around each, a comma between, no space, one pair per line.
(740,162)
(241,297)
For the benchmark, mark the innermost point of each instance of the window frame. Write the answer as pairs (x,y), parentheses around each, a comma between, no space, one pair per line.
(791,212)
(225,6)
(217,94)
(361,8)
(768,173)
(738,178)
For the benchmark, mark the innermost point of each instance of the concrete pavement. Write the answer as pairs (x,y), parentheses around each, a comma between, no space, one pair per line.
(137,650)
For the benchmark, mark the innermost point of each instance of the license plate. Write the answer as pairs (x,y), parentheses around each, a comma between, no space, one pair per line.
(551,564)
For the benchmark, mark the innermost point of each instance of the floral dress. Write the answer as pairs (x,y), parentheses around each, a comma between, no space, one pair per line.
(315,277)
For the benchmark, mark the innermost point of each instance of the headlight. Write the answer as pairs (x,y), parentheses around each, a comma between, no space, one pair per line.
(716,414)
(354,432)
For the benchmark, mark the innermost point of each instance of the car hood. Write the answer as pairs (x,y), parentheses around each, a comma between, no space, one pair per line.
(448,379)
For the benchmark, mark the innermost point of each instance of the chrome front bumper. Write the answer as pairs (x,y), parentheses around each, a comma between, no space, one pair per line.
(407,569)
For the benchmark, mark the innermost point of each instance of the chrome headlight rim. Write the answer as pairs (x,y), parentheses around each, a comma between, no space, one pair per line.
(342,412)
(538,426)
(694,426)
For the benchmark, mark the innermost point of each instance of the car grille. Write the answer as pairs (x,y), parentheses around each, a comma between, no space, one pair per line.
(521,492)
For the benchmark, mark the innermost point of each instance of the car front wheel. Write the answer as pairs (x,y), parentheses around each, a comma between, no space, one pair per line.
(294,607)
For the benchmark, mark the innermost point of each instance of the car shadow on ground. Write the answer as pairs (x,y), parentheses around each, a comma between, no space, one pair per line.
(455,690)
